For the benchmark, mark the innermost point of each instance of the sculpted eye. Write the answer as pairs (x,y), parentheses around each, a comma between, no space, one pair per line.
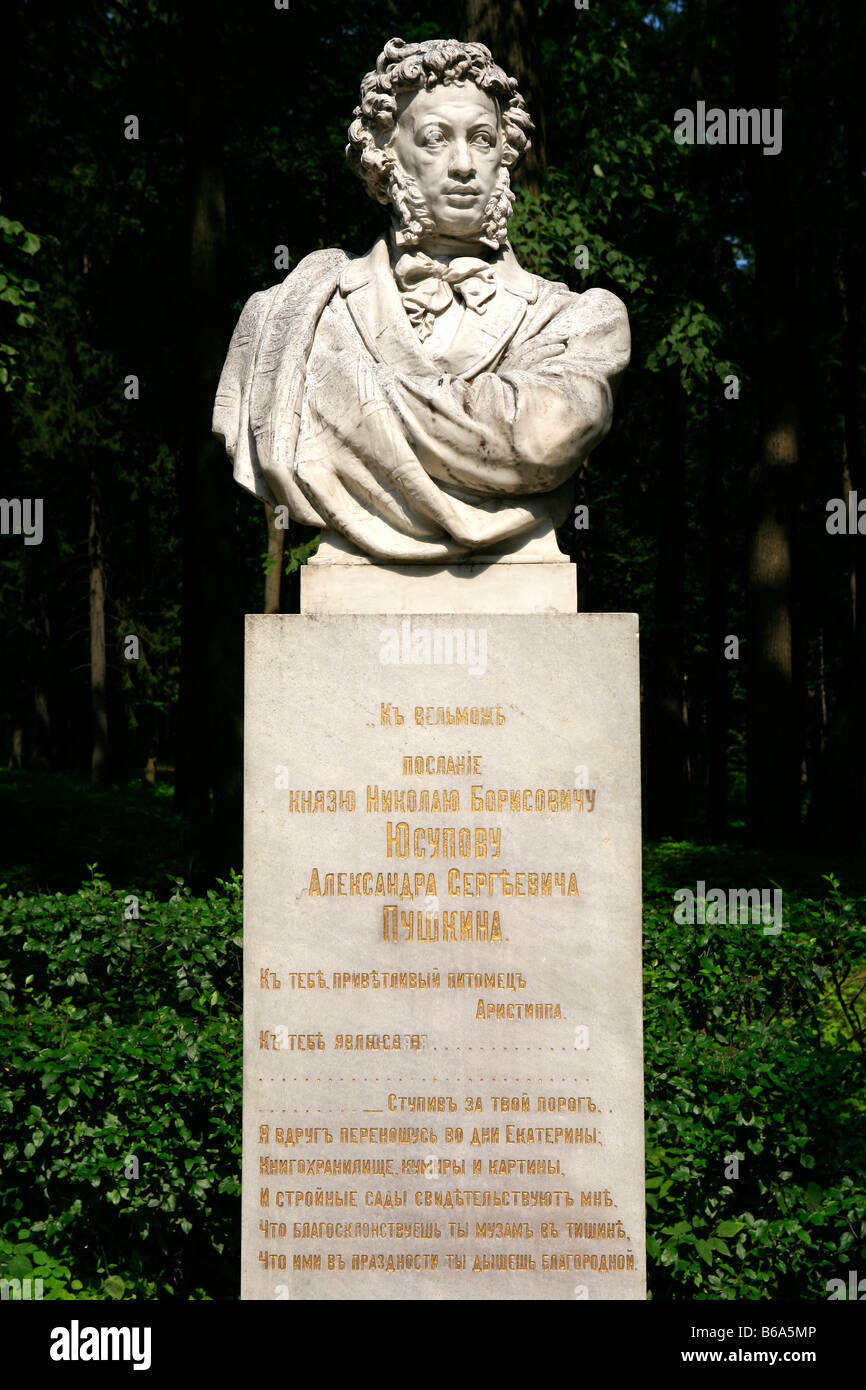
(485,139)
(433,138)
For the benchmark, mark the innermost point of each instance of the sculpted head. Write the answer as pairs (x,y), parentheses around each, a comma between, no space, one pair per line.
(438,129)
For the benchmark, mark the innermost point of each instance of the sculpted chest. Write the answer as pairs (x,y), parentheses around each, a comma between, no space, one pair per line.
(466,343)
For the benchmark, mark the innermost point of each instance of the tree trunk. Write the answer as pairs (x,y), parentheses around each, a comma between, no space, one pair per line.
(666,741)
(16,755)
(98,660)
(210,748)
(719,673)
(852,784)
(665,738)
(773,796)
(510,32)
(837,814)
(273,578)
(40,752)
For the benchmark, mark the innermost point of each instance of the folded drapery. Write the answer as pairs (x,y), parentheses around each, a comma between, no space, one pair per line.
(331,404)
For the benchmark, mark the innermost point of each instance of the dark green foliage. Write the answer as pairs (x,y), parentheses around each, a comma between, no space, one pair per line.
(15,291)
(123,1037)
(755,1049)
(131,832)
(669,228)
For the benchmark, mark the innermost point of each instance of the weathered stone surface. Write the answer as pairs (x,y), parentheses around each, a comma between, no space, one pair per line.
(533,578)
(532,1032)
(431,399)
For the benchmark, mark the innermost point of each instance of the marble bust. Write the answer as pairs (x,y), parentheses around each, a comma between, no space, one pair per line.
(430,400)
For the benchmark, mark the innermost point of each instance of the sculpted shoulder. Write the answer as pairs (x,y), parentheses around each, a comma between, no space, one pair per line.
(319,265)
(315,268)
(596,320)
(593,304)
(594,308)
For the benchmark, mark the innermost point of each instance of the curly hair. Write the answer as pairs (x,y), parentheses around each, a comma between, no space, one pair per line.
(408,67)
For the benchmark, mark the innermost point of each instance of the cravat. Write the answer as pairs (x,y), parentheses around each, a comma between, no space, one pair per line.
(427,286)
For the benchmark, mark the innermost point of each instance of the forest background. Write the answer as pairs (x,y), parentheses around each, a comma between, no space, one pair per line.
(124,263)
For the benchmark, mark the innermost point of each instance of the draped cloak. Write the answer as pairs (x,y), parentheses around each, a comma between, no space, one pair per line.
(330,404)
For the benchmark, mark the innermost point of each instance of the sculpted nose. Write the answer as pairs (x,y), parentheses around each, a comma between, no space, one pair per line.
(461,164)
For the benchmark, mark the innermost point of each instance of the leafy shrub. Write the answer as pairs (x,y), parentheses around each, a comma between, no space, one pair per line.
(121,1038)
(49,1279)
(121,1046)
(754,1050)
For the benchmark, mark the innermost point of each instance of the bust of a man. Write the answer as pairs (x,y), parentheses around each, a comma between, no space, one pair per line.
(429,400)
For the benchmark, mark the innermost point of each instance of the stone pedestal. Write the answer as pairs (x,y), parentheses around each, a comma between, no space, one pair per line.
(443,1090)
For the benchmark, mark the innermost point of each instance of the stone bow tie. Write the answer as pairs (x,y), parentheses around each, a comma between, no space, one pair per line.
(427,286)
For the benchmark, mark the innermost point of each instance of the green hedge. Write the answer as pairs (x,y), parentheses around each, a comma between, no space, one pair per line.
(121,1040)
(754,1050)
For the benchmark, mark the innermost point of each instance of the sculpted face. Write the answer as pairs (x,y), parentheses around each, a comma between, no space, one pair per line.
(449,141)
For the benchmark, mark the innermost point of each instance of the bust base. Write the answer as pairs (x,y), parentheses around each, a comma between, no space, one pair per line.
(532,578)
